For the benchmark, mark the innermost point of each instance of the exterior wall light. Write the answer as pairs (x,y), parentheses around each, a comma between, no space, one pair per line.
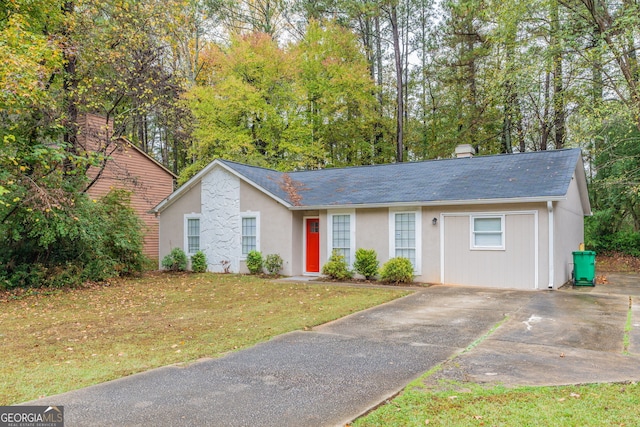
(434,221)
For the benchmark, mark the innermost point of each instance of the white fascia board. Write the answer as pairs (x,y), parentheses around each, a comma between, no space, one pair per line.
(517,200)
(256,186)
(581,178)
(198,177)
(185,187)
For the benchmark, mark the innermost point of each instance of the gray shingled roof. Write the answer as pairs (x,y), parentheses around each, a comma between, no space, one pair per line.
(542,174)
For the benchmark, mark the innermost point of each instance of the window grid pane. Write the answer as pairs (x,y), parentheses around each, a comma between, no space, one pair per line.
(249,235)
(487,224)
(193,235)
(487,232)
(406,236)
(341,235)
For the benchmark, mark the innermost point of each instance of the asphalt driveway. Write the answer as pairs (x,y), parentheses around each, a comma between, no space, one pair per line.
(332,374)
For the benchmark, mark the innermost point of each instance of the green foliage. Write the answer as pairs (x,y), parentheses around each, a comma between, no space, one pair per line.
(397,270)
(254,262)
(199,262)
(123,238)
(67,245)
(615,192)
(175,261)
(599,237)
(273,263)
(306,105)
(336,268)
(366,263)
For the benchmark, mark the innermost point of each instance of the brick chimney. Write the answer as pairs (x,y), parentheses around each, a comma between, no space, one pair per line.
(464,150)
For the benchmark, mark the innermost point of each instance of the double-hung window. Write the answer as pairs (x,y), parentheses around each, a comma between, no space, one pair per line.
(342,234)
(192,233)
(487,232)
(406,236)
(250,232)
(405,239)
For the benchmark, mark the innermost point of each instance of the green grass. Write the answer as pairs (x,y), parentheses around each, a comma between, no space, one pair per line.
(55,341)
(626,339)
(472,405)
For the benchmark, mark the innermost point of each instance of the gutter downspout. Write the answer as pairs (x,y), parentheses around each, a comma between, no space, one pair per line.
(551,243)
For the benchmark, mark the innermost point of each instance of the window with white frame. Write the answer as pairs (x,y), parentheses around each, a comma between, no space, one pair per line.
(192,234)
(250,233)
(405,239)
(487,232)
(406,236)
(342,234)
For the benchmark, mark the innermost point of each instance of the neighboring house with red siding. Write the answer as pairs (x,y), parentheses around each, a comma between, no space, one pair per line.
(127,167)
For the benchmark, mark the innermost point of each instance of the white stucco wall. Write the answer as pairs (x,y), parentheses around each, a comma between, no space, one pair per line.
(220,228)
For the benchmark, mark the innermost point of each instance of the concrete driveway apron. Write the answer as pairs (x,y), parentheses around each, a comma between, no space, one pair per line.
(572,336)
(336,372)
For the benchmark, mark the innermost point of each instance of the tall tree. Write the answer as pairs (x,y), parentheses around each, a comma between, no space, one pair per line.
(392,14)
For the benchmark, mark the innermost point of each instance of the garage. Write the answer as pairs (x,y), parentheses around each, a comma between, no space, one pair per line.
(493,249)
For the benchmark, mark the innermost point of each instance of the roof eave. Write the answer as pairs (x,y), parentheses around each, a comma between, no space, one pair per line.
(198,177)
(184,188)
(582,186)
(157,163)
(256,186)
(516,200)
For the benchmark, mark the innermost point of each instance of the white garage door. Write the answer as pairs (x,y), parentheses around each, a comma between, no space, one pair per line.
(494,250)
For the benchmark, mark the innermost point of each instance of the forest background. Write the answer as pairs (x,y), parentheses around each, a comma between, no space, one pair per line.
(299,84)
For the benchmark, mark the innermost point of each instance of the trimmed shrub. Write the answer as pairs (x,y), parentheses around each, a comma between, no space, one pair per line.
(273,263)
(199,262)
(366,263)
(397,270)
(336,268)
(254,262)
(175,261)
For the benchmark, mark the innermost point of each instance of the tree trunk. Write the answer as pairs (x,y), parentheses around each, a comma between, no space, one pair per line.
(559,113)
(70,87)
(393,15)
(379,136)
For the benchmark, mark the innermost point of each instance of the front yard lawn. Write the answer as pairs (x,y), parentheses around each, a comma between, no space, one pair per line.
(55,341)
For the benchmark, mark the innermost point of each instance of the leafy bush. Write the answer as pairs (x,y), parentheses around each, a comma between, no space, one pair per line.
(71,243)
(123,237)
(273,263)
(175,261)
(366,263)
(336,268)
(199,262)
(397,270)
(600,235)
(254,262)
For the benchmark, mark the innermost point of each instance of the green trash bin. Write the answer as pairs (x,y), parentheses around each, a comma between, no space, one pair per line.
(584,268)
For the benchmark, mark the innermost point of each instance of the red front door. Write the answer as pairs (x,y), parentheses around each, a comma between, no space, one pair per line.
(312,227)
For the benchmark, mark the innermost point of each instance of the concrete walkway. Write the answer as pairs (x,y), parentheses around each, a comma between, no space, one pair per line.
(338,371)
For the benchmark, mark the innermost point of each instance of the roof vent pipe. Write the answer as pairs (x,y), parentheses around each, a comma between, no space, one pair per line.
(464,150)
